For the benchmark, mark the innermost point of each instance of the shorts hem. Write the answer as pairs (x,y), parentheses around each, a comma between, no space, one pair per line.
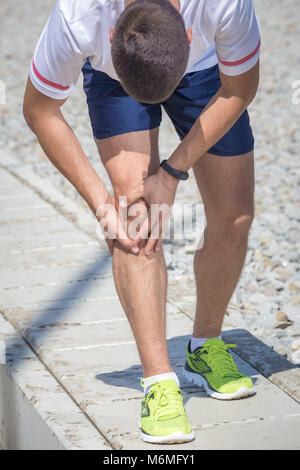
(230,154)
(226,154)
(114,133)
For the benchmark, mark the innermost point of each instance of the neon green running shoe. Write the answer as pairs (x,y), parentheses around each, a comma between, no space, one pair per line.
(212,367)
(163,417)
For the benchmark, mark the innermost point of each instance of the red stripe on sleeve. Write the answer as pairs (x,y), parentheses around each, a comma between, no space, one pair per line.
(47,82)
(241,61)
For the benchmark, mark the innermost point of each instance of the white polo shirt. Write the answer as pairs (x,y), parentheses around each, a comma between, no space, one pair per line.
(223,31)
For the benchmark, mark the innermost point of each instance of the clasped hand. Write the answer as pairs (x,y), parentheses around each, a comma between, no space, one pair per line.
(158,191)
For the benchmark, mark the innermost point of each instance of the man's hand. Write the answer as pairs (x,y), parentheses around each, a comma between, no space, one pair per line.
(158,191)
(113,224)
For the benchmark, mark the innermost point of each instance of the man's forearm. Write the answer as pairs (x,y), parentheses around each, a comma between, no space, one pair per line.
(221,113)
(216,120)
(64,150)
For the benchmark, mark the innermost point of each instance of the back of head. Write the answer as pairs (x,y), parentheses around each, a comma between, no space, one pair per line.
(150,50)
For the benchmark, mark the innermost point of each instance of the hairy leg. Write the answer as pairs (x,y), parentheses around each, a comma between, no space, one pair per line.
(227,186)
(141,281)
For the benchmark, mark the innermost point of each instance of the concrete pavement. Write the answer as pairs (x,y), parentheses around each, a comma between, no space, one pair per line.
(71,355)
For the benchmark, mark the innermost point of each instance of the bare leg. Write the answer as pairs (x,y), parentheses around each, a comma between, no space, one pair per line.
(141,281)
(226,185)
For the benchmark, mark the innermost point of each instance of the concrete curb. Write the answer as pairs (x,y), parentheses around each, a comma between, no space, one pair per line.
(73,391)
(276,368)
(36,413)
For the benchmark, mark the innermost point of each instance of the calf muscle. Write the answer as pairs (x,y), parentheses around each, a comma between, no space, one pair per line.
(141,281)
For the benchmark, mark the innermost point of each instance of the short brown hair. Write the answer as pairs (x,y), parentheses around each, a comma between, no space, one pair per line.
(150,50)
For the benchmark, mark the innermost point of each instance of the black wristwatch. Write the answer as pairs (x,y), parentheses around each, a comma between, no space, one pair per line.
(180,175)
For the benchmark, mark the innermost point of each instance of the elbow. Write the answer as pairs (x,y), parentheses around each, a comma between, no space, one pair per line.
(248,95)
(253,90)
(34,114)
(32,117)
(39,108)
(29,115)
(244,97)
(247,98)
(252,95)
(31,111)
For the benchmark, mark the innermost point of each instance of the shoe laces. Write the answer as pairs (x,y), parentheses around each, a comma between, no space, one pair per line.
(220,359)
(168,401)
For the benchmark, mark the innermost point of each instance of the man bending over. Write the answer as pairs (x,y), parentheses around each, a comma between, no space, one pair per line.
(199,60)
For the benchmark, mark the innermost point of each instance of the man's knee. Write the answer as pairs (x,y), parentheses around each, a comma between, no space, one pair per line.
(133,219)
(234,225)
(242,223)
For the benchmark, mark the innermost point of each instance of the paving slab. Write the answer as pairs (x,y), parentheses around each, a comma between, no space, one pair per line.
(78,213)
(15,243)
(91,335)
(105,310)
(30,394)
(270,434)
(272,365)
(57,290)
(50,276)
(53,255)
(40,210)
(20,202)
(54,225)
(79,289)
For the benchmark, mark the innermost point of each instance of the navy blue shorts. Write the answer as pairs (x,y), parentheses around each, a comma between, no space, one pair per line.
(114,112)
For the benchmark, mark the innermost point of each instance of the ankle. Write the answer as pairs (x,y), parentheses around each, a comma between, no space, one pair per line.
(199,342)
(207,333)
(149,381)
(160,368)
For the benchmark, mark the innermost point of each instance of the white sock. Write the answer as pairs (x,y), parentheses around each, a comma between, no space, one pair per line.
(198,342)
(149,381)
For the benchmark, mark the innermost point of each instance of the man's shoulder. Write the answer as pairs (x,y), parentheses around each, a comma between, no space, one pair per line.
(221,5)
(219,9)
(74,10)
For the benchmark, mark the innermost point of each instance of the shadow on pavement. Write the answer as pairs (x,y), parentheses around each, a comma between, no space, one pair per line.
(256,354)
(59,308)
(56,310)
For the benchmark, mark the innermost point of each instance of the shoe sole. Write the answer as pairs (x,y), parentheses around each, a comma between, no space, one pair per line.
(176,437)
(201,382)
